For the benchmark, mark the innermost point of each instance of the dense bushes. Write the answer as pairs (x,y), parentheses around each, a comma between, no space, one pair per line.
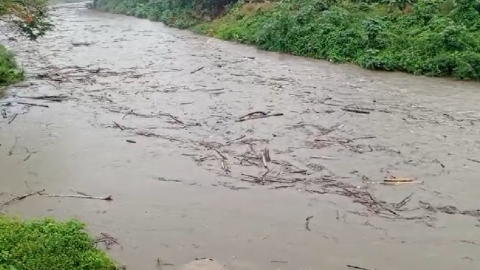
(47,244)
(431,37)
(9,73)
(177,13)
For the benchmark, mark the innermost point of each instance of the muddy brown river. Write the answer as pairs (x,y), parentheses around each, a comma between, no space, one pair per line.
(260,160)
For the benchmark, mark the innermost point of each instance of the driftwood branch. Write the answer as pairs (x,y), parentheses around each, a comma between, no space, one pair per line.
(174,118)
(196,70)
(56,98)
(106,198)
(12,118)
(307,223)
(108,240)
(362,111)
(256,115)
(358,267)
(10,152)
(32,104)
(19,198)
(119,126)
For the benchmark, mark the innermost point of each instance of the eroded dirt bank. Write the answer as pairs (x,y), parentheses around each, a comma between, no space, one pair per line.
(191,181)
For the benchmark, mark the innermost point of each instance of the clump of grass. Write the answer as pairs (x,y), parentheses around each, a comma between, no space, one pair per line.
(48,244)
(9,71)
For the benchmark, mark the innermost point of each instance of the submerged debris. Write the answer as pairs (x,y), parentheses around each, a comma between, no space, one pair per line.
(257,115)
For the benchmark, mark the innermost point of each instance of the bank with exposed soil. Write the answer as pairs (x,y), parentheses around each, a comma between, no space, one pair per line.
(434,38)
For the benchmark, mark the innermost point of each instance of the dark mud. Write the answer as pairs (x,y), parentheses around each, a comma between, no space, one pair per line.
(260,160)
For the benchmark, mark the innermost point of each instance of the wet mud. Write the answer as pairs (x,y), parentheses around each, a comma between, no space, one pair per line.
(260,160)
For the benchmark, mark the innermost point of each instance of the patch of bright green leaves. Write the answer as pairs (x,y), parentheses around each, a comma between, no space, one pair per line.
(9,72)
(48,244)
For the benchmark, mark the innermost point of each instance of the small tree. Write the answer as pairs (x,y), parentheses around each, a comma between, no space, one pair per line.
(29,17)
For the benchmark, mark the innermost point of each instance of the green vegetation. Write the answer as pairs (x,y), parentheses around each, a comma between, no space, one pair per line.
(176,13)
(28,18)
(430,37)
(9,72)
(46,245)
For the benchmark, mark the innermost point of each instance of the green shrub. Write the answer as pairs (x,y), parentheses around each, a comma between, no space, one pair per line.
(48,244)
(9,73)
(430,37)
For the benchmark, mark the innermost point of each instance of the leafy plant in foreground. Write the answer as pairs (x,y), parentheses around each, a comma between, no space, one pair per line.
(48,244)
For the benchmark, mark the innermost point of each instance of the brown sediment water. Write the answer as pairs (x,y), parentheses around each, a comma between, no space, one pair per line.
(158,119)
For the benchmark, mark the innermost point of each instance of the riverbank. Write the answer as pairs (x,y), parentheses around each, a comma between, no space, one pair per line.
(9,71)
(176,198)
(434,38)
(47,244)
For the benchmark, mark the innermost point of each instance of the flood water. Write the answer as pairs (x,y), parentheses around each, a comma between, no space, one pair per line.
(154,117)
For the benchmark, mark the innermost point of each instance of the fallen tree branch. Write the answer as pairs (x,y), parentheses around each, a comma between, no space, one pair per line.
(119,126)
(56,98)
(32,104)
(358,267)
(174,119)
(196,70)
(356,110)
(19,198)
(107,198)
(403,202)
(474,160)
(12,118)
(307,223)
(10,152)
(108,240)
(256,115)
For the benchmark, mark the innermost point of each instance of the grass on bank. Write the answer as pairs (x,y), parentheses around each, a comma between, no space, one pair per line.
(47,244)
(429,37)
